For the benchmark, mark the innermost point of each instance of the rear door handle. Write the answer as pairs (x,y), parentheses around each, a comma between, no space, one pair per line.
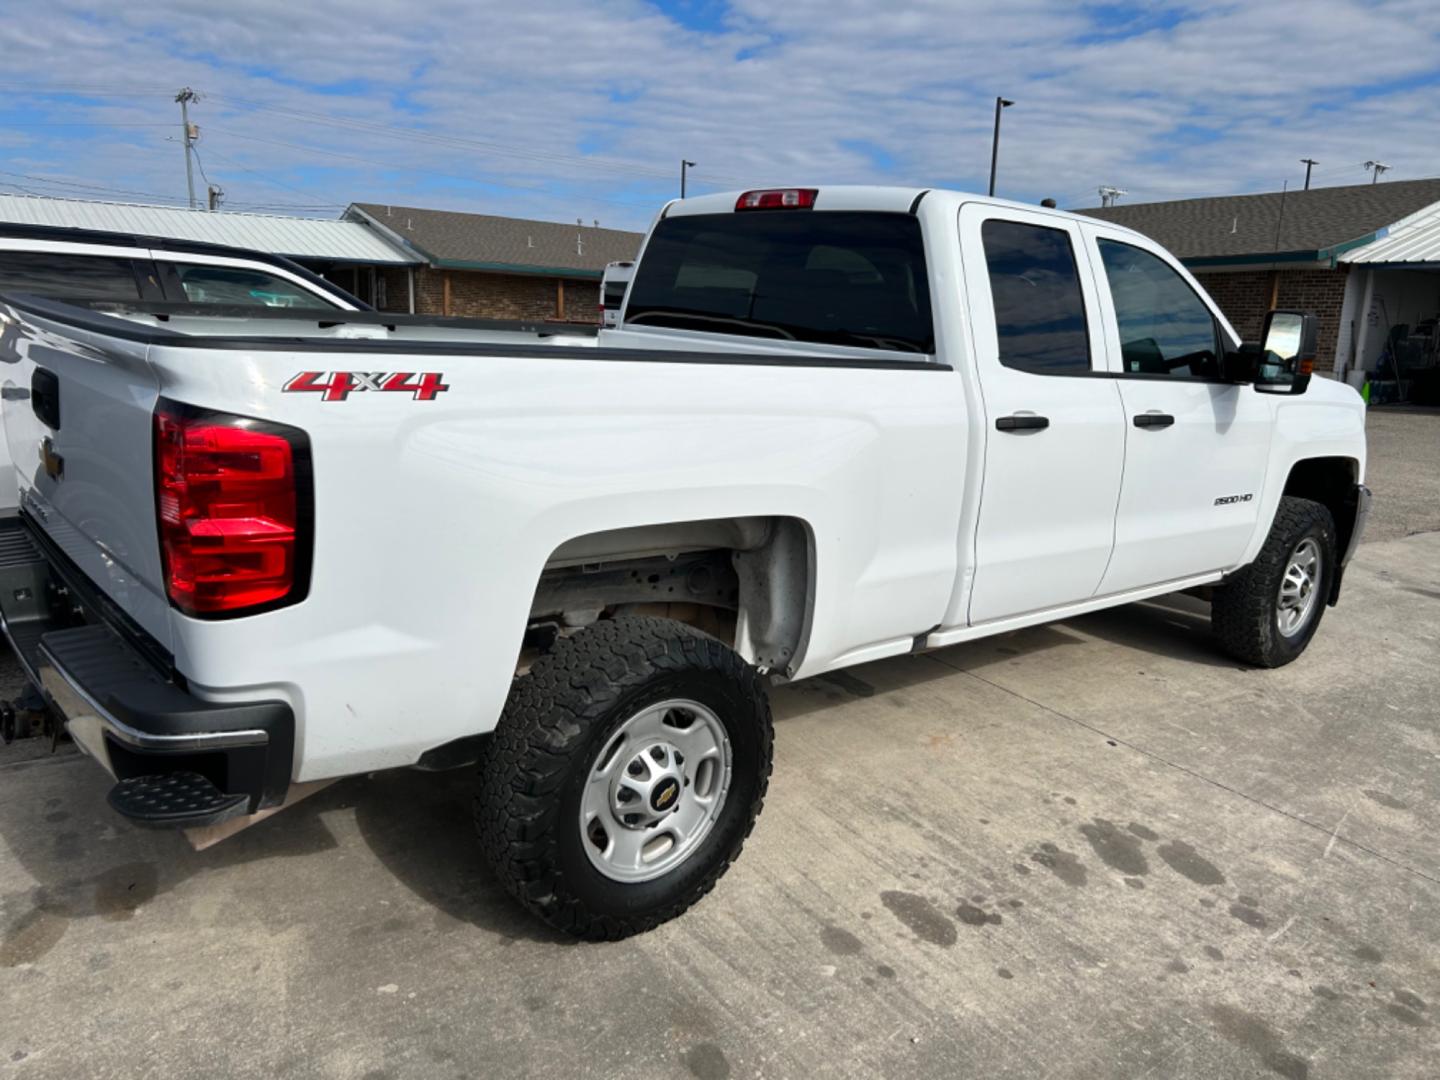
(1154,420)
(1021,423)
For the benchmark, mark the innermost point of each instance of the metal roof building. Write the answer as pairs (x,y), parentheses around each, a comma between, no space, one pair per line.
(309,240)
(1412,243)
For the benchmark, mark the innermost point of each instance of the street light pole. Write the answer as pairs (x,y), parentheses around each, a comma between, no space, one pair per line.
(683,166)
(1000,103)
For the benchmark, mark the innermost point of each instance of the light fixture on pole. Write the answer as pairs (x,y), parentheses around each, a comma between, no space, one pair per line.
(683,166)
(1000,103)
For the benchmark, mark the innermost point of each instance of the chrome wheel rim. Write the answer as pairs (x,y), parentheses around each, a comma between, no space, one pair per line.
(655,790)
(1299,588)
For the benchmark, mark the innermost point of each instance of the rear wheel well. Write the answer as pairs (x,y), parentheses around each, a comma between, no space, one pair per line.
(1329,481)
(747,581)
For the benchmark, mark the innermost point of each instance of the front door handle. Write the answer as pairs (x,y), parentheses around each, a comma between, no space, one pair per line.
(1154,420)
(1022,422)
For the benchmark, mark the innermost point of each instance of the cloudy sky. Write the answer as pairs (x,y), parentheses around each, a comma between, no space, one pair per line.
(565,109)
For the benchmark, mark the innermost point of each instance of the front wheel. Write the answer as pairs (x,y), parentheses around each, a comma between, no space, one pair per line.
(1267,613)
(626,772)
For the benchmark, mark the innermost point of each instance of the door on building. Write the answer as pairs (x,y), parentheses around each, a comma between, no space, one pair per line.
(1196,447)
(1054,433)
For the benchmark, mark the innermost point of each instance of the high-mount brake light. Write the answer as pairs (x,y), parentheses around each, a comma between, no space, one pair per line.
(232,503)
(778,199)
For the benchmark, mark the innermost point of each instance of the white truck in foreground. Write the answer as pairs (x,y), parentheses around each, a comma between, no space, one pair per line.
(833,425)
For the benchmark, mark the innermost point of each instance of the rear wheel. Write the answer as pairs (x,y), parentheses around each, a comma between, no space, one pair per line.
(625,774)
(1267,613)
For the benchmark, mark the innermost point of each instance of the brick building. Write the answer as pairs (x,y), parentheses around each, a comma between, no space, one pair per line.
(484,266)
(1321,250)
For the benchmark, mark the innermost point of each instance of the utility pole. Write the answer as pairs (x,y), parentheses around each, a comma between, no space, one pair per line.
(1109,195)
(214,194)
(184,98)
(1000,103)
(1309,164)
(1376,168)
(683,166)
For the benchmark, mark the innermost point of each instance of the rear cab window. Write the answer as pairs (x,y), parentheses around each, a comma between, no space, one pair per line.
(854,278)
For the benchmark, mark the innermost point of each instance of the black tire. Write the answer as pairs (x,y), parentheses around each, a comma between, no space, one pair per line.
(1243,610)
(556,722)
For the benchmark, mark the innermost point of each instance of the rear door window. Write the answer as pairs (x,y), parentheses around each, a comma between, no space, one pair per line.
(1039,306)
(833,277)
(69,277)
(199,283)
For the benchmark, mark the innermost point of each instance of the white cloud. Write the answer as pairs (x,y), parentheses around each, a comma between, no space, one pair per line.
(1169,100)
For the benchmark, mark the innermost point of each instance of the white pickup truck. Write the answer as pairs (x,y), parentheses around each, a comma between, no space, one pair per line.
(833,425)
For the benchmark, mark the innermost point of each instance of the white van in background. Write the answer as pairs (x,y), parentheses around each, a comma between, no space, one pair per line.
(613,284)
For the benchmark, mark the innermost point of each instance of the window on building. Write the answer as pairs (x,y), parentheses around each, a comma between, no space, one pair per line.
(1165,328)
(203,284)
(76,277)
(837,277)
(1039,307)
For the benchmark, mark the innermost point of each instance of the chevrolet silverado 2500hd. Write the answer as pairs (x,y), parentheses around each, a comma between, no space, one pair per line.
(833,425)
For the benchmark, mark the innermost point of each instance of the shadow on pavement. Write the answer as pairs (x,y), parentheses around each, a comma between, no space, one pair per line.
(1176,626)
(418,825)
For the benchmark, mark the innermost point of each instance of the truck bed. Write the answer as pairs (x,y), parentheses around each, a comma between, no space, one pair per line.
(435,513)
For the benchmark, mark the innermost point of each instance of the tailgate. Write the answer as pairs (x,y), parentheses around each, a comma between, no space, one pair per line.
(77,406)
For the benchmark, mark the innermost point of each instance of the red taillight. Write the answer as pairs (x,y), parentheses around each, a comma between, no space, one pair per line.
(778,199)
(228,505)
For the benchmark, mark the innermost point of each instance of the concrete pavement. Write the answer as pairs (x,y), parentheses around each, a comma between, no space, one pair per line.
(1404,470)
(1090,849)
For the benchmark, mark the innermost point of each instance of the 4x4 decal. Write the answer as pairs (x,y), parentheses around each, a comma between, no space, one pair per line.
(339,385)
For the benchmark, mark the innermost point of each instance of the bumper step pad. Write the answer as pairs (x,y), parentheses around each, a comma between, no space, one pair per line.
(175,800)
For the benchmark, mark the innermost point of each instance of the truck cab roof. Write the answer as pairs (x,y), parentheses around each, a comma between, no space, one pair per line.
(862,197)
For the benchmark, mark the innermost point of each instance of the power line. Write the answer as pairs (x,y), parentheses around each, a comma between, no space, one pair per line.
(591,163)
(89,89)
(471,178)
(84,123)
(265,179)
(22,190)
(52,181)
(200,164)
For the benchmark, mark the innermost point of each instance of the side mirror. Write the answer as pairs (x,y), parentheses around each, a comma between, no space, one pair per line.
(1290,343)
